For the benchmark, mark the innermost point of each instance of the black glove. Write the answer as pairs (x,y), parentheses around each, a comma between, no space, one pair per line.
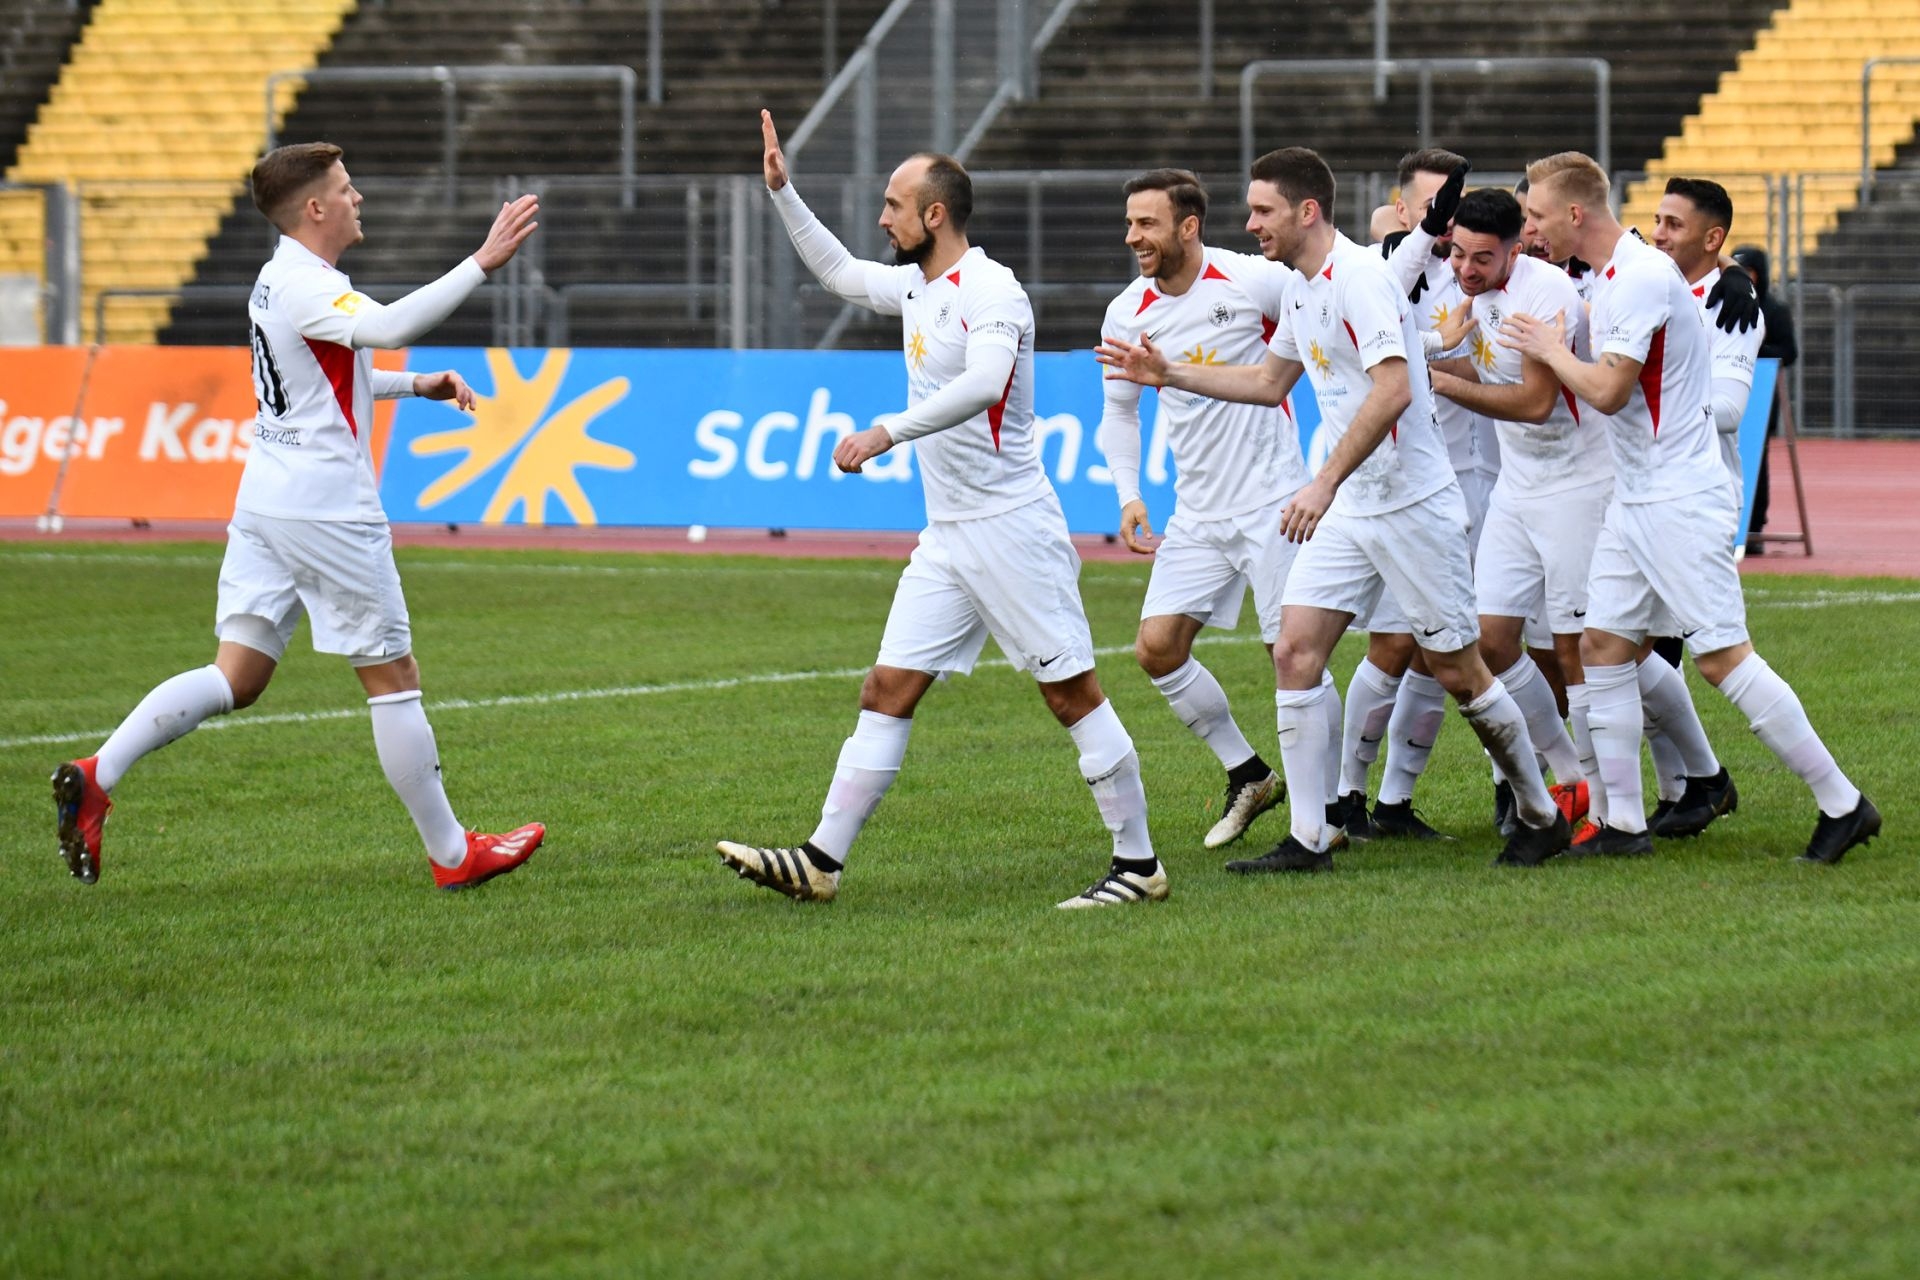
(1738,300)
(1445,201)
(1577,268)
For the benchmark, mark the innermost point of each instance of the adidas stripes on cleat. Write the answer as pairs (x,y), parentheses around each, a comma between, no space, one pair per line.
(489,856)
(788,871)
(1121,889)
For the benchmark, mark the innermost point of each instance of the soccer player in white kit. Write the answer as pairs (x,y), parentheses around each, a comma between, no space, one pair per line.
(1556,478)
(1384,511)
(309,535)
(1665,550)
(995,556)
(1235,466)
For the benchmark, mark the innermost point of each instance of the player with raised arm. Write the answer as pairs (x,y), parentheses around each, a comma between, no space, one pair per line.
(1665,550)
(995,556)
(309,535)
(1556,477)
(1384,511)
(1235,466)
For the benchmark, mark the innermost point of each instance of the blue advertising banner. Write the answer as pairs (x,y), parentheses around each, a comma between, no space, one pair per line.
(744,438)
(1753,439)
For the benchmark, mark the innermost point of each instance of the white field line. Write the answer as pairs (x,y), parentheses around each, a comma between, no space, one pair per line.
(438,705)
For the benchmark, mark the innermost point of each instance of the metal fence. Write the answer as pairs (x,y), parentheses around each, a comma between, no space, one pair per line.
(703,261)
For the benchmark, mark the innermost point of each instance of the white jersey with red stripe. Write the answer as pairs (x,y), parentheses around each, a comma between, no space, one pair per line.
(1228,458)
(1664,442)
(1347,318)
(1568,450)
(1734,356)
(991,462)
(311,457)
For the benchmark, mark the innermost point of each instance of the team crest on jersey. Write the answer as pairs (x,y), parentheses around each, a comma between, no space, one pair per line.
(1221,315)
(1326,315)
(348,303)
(946,314)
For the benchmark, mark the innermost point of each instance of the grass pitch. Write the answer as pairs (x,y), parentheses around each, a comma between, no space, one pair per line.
(263,1045)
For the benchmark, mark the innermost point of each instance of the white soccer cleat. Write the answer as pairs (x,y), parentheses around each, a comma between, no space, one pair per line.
(788,871)
(1120,889)
(1245,802)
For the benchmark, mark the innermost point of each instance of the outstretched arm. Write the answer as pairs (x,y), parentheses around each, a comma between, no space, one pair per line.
(872,285)
(1142,362)
(405,322)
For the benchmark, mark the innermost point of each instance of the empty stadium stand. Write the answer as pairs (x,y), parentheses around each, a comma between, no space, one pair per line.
(34,38)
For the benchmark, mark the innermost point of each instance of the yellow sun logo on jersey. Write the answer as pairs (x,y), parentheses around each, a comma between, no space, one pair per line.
(1482,350)
(916,349)
(1441,314)
(552,445)
(1318,355)
(1200,355)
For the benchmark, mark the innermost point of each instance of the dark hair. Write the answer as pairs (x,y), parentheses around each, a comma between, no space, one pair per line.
(1183,188)
(284,172)
(1754,259)
(947,183)
(1491,212)
(1708,197)
(1298,174)
(1428,160)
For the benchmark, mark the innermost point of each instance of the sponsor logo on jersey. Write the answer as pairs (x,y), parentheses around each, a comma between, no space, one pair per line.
(1318,355)
(348,303)
(916,349)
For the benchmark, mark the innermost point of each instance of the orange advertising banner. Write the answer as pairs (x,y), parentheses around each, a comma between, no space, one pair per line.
(153,433)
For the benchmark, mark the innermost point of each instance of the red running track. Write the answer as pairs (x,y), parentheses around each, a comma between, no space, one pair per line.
(1863,501)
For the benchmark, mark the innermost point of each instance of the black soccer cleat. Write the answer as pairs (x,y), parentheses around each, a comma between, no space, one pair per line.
(1349,813)
(1705,799)
(1531,846)
(1612,842)
(1288,855)
(1400,822)
(1832,837)
(1505,820)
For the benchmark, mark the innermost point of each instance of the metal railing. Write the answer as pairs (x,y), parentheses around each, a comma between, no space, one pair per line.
(1205,41)
(1867,69)
(1425,69)
(450,79)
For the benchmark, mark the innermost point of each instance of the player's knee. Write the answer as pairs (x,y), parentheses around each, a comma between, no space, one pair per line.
(1157,654)
(1498,655)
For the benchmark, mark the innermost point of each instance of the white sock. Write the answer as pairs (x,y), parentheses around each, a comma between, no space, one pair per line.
(1301,724)
(1665,701)
(1112,769)
(1369,706)
(1548,732)
(1669,770)
(1336,734)
(1502,728)
(1773,709)
(1197,698)
(1613,717)
(404,740)
(869,762)
(1418,712)
(174,709)
(1583,744)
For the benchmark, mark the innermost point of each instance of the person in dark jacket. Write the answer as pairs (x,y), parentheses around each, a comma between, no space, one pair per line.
(1782,345)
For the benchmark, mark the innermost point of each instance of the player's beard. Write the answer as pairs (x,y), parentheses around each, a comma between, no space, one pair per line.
(904,256)
(1172,258)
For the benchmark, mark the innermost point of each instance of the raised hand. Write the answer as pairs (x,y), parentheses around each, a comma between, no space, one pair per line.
(1445,201)
(1140,362)
(1738,301)
(511,227)
(773,161)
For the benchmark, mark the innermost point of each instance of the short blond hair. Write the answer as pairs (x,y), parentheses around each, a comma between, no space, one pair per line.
(1574,175)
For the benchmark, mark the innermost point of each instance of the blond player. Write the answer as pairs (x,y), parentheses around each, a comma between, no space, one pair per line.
(309,536)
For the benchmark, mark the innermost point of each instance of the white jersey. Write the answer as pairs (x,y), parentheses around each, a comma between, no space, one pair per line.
(1435,294)
(1349,317)
(1734,355)
(1563,452)
(991,462)
(1229,458)
(311,457)
(1664,442)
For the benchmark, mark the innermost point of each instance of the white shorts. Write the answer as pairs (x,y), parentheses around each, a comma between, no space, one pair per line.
(1476,487)
(339,573)
(1666,568)
(1419,553)
(1535,555)
(1014,575)
(1203,568)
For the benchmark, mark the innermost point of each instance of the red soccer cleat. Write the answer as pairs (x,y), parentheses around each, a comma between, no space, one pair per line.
(1588,830)
(82,808)
(490,856)
(1571,797)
